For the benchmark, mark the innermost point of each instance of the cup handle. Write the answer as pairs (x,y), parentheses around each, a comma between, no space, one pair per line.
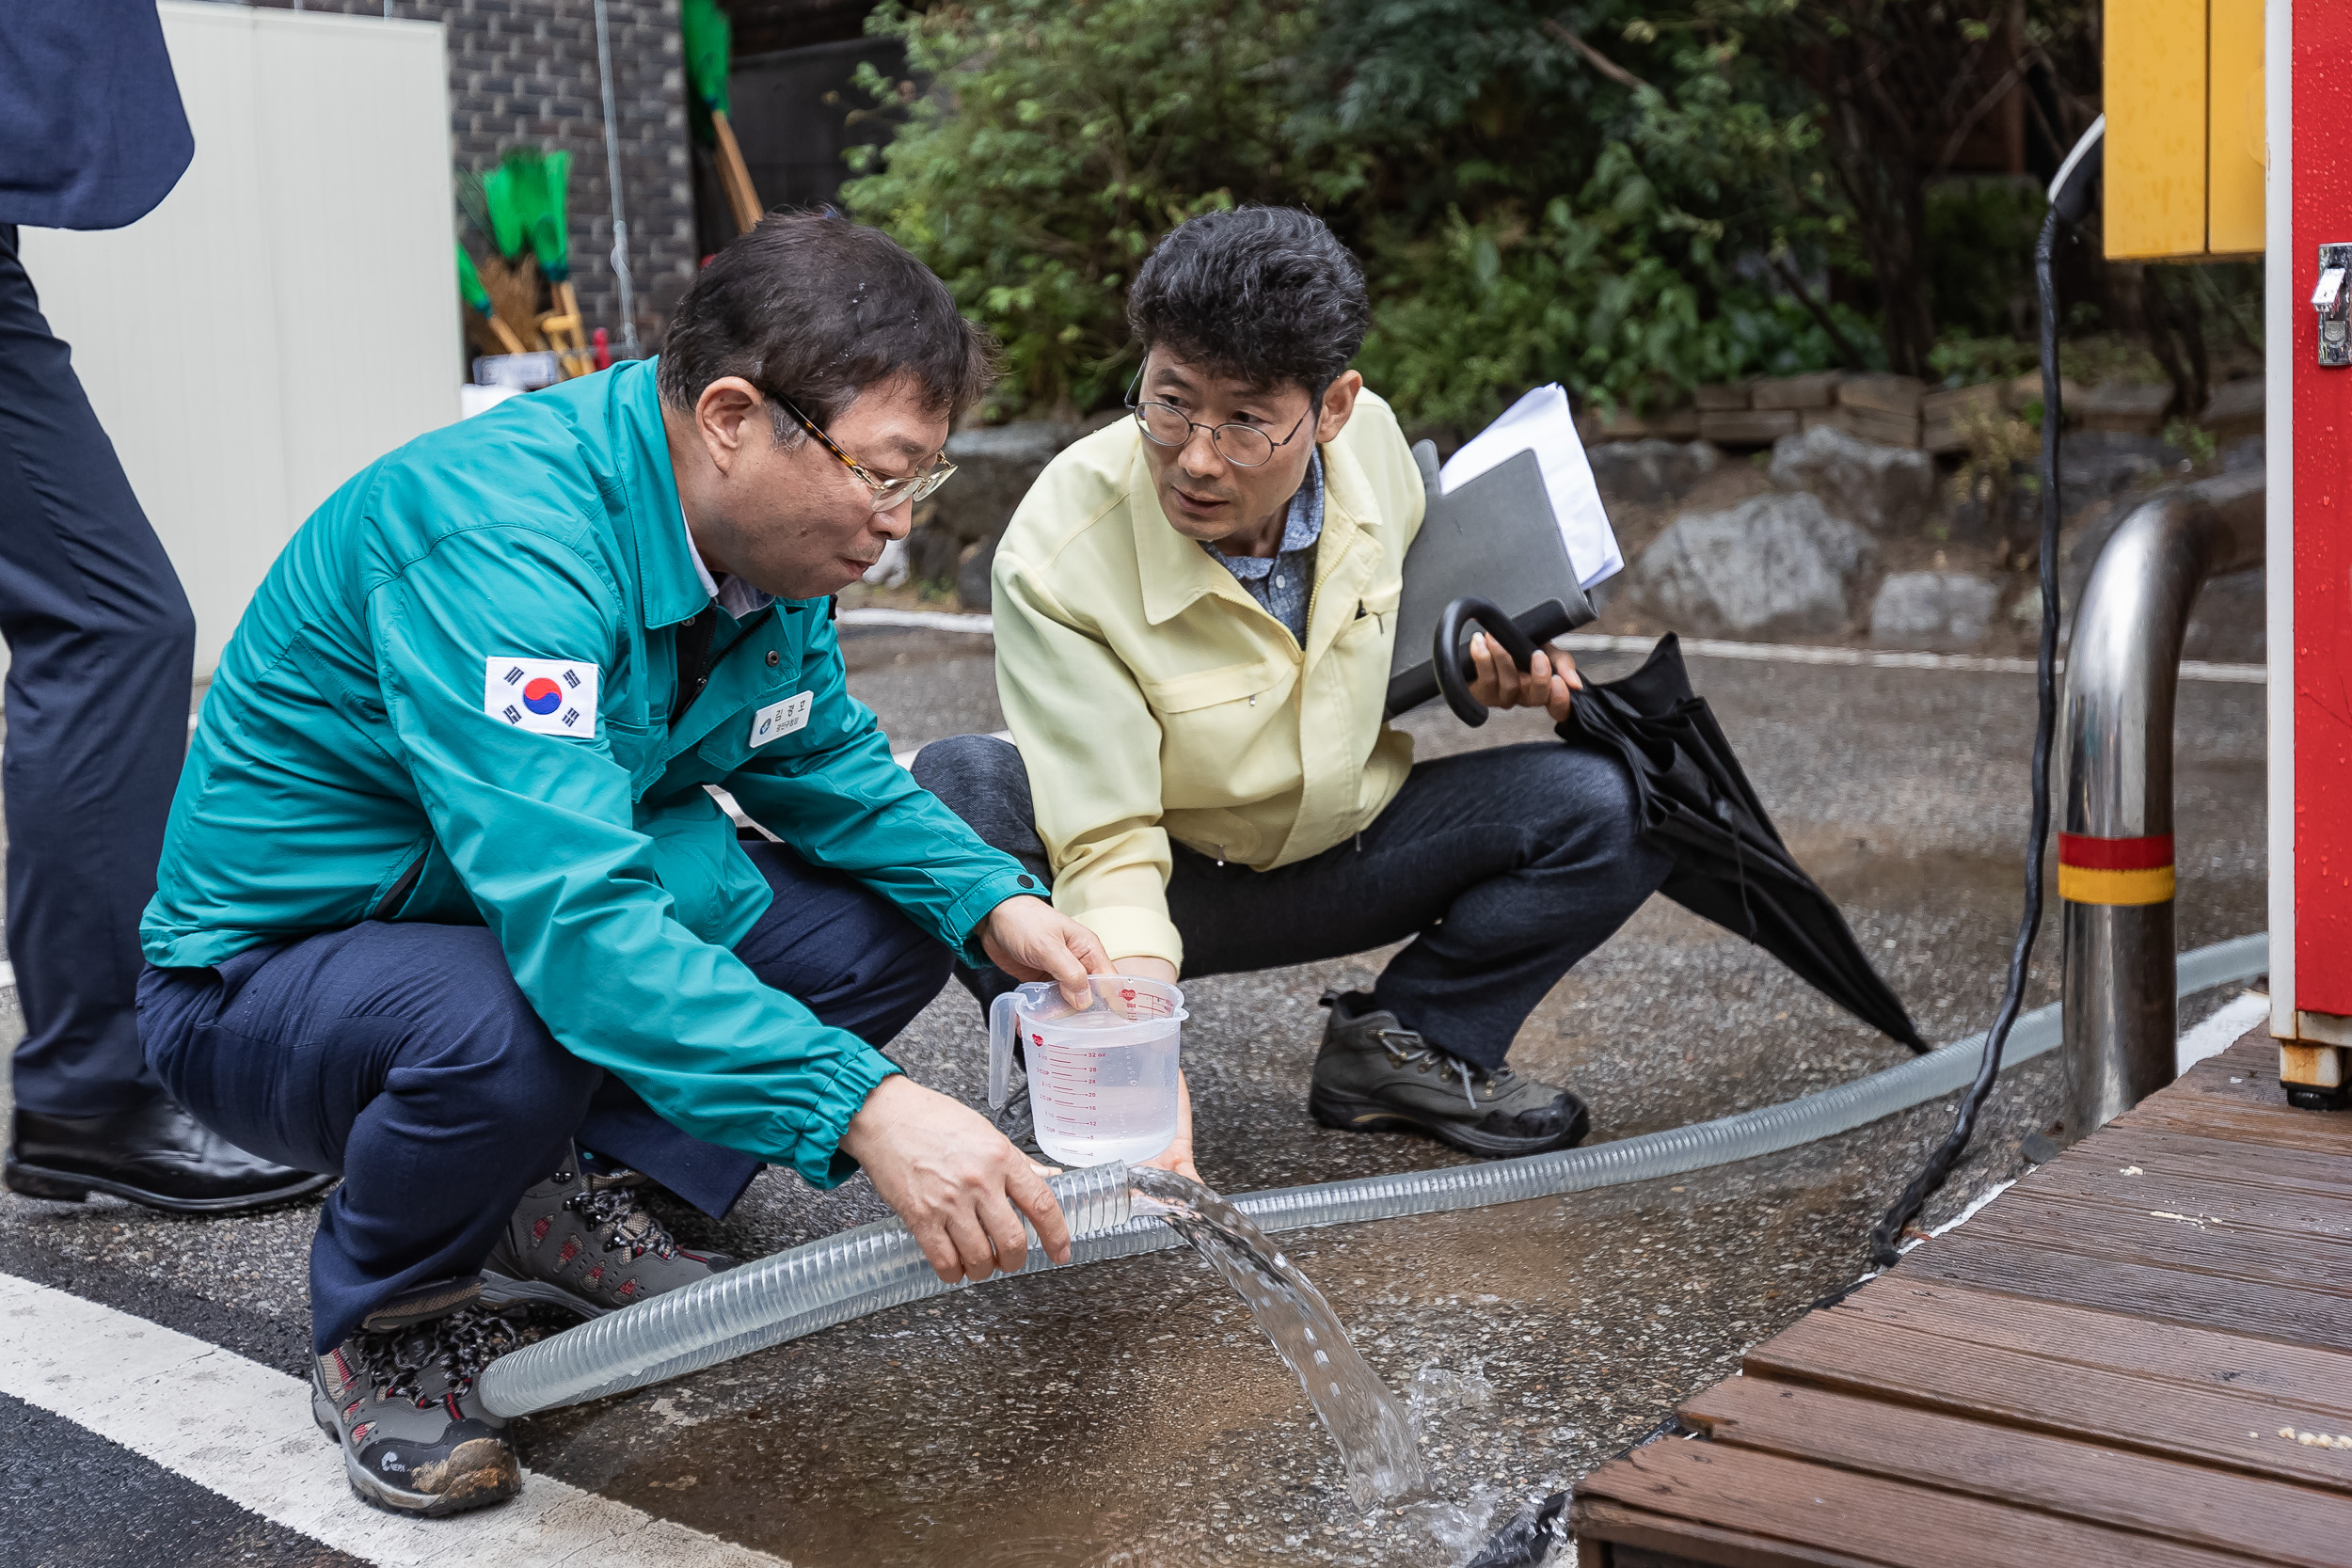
(1002,1023)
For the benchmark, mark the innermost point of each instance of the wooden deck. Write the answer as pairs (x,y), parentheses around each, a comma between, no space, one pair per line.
(2140,1355)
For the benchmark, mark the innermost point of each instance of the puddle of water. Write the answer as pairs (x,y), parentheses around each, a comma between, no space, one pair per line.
(1360,1411)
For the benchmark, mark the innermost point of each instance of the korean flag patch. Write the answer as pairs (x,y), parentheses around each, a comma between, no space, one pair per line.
(545,696)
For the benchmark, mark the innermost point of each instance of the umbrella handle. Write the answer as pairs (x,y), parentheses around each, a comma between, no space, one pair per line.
(1454,667)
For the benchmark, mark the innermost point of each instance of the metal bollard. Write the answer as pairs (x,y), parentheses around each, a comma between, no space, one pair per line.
(2115,850)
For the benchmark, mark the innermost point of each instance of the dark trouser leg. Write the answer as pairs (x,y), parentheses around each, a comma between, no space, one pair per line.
(982,779)
(401,1057)
(101,642)
(405,1059)
(845,952)
(1506,866)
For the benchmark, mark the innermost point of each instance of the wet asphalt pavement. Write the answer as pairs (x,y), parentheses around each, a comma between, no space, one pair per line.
(1129,1413)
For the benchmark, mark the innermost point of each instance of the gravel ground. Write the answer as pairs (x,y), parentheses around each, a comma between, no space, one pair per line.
(1130,1414)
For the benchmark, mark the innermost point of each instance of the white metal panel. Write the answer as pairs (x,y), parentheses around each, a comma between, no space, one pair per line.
(289,313)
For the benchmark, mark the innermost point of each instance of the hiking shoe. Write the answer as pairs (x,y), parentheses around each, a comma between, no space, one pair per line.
(581,1239)
(1372,1074)
(399,1401)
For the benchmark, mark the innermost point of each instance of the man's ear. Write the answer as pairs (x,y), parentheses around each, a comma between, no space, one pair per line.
(1339,403)
(728,415)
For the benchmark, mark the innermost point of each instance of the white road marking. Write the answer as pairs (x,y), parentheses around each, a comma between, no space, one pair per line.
(7,974)
(2220,1032)
(920,620)
(1695,647)
(242,1430)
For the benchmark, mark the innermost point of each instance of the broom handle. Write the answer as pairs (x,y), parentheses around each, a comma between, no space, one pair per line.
(734,176)
(506,337)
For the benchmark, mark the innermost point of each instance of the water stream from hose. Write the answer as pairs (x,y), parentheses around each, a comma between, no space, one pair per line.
(1360,1411)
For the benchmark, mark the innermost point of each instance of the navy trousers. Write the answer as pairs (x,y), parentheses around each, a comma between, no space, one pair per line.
(101,644)
(1504,866)
(404,1059)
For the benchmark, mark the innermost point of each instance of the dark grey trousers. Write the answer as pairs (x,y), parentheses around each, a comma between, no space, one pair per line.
(101,642)
(1504,866)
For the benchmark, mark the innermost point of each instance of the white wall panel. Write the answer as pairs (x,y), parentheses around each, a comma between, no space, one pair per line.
(288,313)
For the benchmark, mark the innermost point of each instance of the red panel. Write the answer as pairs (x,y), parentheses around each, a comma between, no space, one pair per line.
(2115,854)
(2322,451)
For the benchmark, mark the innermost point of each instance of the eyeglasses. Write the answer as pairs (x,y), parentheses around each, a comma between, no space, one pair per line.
(886,493)
(1245,446)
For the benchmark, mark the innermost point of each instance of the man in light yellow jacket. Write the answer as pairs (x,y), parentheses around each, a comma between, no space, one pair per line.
(1195,610)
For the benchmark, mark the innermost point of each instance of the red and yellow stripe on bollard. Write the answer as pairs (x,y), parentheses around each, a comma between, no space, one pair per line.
(2115,870)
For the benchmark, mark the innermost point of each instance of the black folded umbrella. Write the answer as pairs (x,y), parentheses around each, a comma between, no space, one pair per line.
(1730,864)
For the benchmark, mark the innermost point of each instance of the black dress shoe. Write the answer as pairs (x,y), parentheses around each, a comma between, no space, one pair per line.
(158,1155)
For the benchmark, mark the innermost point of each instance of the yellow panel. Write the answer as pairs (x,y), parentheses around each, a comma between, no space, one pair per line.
(2235,188)
(2155,144)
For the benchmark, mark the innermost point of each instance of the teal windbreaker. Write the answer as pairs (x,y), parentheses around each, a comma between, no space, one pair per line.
(449,702)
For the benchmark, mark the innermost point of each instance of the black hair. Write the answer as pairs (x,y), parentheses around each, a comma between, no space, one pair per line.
(1264,295)
(817,308)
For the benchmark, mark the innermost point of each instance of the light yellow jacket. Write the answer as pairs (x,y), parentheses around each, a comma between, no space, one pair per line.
(1151,697)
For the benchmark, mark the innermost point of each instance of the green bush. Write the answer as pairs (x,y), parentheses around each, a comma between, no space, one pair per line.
(1054,141)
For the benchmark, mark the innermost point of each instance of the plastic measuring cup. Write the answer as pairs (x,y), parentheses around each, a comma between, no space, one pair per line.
(1101,1082)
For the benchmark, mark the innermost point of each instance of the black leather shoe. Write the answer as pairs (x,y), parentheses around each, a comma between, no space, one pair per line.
(158,1155)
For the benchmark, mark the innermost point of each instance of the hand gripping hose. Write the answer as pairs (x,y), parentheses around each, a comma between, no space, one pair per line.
(878,1266)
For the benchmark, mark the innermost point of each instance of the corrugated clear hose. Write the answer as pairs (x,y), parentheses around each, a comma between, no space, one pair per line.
(878,1266)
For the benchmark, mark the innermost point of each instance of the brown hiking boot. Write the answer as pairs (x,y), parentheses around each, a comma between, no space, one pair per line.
(1375,1075)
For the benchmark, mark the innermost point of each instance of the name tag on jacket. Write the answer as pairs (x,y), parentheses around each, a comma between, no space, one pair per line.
(778,720)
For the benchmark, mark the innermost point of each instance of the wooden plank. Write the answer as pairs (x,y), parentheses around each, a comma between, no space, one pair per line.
(2171,1239)
(2319,1131)
(1747,427)
(2281,1216)
(2110,1285)
(2219,1427)
(1883,394)
(1867,1517)
(1815,390)
(2217,1160)
(2238,1075)
(1636,1537)
(2316,1383)
(2098,1484)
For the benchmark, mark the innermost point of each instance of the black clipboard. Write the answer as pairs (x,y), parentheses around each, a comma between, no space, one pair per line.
(1495,538)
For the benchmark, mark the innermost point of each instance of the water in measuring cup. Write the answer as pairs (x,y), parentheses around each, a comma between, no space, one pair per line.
(1093,1106)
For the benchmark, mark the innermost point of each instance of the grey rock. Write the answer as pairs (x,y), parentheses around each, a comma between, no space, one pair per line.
(1885,489)
(994,468)
(2229,624)
(974,591)
(931,555)
(2096,464)
(1943,611)
(2243,456)
(1646,471)
(1773,565)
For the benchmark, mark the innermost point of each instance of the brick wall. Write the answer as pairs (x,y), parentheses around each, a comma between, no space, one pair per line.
(524,73)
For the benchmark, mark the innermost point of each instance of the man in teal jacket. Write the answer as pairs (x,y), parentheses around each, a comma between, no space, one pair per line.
(446,908)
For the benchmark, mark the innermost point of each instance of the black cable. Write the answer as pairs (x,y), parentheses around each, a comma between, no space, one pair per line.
(2068,199)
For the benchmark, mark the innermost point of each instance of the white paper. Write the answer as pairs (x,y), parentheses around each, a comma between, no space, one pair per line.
(1540,422)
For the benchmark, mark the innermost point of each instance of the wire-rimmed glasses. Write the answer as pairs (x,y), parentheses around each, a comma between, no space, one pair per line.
(886,493)
(1245,446)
